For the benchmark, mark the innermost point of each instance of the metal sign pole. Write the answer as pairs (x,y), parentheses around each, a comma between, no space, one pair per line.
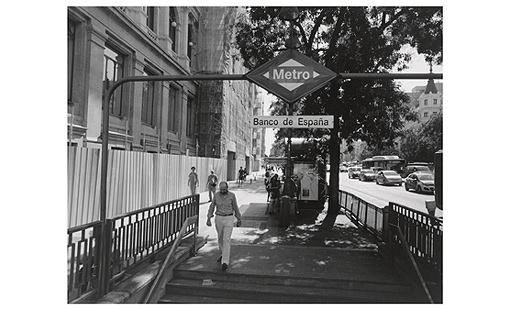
(105,244)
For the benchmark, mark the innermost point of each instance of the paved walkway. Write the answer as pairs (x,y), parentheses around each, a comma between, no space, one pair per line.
(306,248)
(308,229)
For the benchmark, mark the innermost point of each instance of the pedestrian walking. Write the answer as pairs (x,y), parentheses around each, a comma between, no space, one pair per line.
(224,206)
(212,181)
(241,176)
(193,181)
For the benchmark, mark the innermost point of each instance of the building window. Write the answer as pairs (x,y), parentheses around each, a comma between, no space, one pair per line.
(151,19)
(425,102)
(173,28)
(173,110)
(192,34)
(113,70)
(425,114)
(190,41)
(71,39)
(148,100)
(190,124)
(435,101)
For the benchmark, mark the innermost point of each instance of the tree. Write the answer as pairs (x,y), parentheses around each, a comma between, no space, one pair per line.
(348,39)
(421,142)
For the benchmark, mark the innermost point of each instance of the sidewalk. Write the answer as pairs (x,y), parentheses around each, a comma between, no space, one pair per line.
(309,229)
(309,247)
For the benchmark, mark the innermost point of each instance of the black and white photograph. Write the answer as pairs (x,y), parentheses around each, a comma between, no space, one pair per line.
(259,155)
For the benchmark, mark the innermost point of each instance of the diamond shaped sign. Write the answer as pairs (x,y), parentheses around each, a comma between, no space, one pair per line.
(291,76)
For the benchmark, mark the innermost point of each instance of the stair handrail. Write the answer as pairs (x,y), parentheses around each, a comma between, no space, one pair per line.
(176,243)
(412,261)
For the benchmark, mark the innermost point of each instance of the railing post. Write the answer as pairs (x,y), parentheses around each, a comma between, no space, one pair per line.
(104,258)
(386,224)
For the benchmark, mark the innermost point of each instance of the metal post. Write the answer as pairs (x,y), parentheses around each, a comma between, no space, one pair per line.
(288,171)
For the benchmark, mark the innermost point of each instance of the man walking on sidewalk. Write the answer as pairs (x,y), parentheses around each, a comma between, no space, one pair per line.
(212,181)
(225,203)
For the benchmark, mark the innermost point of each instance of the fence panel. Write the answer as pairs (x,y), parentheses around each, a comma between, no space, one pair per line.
(135,180)
(364,213)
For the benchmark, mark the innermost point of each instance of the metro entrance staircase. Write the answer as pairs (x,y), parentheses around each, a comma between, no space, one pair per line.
(288,274)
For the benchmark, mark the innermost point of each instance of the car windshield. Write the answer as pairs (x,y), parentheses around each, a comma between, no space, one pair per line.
(418,168)
(390,173)
(425,177)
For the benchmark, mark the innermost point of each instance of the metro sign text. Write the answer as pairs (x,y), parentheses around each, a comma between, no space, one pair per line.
(291,75)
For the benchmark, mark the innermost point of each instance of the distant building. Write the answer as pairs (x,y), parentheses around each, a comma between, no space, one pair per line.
(427,100)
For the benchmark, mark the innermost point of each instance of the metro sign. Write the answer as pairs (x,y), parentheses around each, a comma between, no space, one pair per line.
(291,76)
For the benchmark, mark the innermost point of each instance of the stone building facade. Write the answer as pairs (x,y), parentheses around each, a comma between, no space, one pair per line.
(204,118)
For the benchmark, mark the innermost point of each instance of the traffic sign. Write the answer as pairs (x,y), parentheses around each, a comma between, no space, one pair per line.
(291,75)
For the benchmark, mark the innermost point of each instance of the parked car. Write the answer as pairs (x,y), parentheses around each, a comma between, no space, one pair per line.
(388,177)
(367,175)
(353,172)
(415,168)
(420,182)
(343,168)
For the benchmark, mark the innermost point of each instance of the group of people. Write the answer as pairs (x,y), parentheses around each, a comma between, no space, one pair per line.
(275,191)
(212,182)
(241,176)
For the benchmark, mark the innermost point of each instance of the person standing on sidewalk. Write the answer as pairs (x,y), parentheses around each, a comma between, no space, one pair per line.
(274,188)
(225,204)
(212,181)
(193,181)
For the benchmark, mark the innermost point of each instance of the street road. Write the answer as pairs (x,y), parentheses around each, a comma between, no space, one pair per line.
(381,195)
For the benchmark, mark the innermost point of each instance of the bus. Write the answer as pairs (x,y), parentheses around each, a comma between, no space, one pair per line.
(386,162)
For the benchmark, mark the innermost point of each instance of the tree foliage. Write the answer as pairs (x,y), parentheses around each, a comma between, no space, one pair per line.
(348,40)
(421,142)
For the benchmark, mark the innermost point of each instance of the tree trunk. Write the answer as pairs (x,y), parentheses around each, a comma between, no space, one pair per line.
(334,162)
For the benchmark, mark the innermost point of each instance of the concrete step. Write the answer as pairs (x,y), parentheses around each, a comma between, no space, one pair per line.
(233,292)
(343,284)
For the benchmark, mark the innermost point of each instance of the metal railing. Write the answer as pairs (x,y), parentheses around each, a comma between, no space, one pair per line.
(139,234)
(164,266)
(365,214)
(410,258)
(82,249)
(132,238)
(423,234)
